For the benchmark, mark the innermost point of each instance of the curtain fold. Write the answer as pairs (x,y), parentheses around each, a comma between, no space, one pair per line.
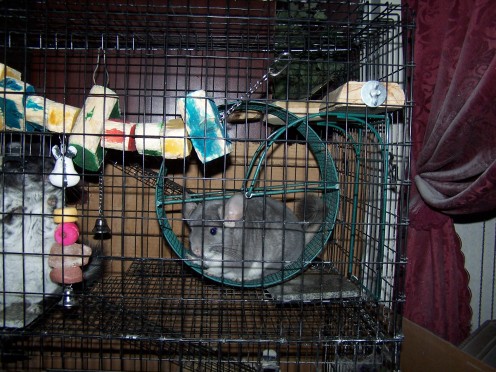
(453,154)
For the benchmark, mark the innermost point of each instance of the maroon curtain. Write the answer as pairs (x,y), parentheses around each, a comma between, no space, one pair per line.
(454,154)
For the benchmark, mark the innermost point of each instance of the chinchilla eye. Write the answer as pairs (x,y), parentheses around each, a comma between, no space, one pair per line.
(213,230)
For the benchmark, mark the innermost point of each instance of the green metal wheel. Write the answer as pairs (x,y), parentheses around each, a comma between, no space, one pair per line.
(327,186)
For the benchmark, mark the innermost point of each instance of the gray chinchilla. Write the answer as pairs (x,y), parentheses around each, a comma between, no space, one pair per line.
(244,239)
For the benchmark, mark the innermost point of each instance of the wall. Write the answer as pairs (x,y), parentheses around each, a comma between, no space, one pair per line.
(479,247)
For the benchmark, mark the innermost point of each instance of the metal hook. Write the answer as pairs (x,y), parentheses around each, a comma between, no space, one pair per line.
(284,56)
(271,71)
(106,79)
(62,140)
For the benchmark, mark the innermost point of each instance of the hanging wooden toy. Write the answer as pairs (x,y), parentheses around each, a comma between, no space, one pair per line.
(101,104)
(96,126)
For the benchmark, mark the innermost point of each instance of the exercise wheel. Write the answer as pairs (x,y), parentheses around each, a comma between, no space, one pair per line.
(327,185)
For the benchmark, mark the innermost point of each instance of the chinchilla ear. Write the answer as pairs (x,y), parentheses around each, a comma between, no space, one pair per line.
(188,207)
(234,210)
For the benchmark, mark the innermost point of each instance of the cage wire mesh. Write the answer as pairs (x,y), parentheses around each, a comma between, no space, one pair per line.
(269,71)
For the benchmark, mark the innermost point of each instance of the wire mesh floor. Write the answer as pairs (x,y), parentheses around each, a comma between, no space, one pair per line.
(161,308)
(174,303)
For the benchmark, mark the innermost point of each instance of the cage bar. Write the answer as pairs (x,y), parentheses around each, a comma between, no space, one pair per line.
(335,308)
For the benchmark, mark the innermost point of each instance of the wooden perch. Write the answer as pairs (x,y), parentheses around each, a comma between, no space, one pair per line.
(348,98)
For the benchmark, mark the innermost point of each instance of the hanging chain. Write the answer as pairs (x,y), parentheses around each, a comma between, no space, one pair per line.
(273,71)
(100,194)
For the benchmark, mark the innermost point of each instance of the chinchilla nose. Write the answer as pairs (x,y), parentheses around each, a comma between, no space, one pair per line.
(197,250)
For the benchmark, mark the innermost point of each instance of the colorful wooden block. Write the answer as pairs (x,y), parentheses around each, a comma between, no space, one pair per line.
(158,139)
(175,145)
(45,114)
(12,99)
(206,132)
(119,135)
(7,71)
(2,120)
(101,104)
(148,138)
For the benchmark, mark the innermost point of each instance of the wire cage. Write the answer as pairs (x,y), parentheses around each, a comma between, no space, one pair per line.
(137,109)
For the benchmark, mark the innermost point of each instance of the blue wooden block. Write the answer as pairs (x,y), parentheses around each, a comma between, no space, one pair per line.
(13,94)
(205,130)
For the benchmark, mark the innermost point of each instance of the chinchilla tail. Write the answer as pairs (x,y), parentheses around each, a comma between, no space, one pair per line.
(93,271)
(311,211)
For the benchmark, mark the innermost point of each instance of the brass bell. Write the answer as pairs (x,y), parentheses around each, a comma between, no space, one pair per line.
(101,228)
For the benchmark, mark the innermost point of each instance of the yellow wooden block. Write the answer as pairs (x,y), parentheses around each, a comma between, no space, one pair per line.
(175,144)
(68,214)
(2,120)
(6,71)
(50,115)
(158,139)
